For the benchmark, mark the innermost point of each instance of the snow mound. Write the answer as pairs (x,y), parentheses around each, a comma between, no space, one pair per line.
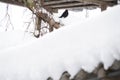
(14,38)
(79,45)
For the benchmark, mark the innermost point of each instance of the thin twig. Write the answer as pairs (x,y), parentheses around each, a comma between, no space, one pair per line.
(7,18)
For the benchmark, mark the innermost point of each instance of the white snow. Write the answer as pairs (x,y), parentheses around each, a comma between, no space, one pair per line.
(77,45)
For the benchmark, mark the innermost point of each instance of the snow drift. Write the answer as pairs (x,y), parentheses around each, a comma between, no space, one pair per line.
(79,45)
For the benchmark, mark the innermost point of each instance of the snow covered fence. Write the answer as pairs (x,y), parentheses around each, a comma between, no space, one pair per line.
(99,73)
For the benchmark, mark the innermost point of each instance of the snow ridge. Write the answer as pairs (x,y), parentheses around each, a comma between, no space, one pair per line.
(71,48)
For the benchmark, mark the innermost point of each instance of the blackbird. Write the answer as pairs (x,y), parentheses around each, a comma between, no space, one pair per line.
(64,14)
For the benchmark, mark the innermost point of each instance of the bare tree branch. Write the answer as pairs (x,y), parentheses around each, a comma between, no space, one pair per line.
(7,18)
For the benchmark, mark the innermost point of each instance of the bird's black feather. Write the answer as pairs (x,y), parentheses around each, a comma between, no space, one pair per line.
(65,14)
